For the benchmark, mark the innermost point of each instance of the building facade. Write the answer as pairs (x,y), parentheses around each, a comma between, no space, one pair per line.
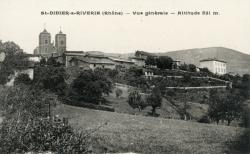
(46,47)
(214,65)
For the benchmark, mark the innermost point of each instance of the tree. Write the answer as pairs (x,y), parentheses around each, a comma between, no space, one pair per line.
(226,105)
(232,106)
(50,77)
(135,100)
(245,86)
(52,62)
(192,68)
(184,67)
(164,62)
(154,100)
(14,58)
(150,60)
(90,85)
(22,79)
(215,105)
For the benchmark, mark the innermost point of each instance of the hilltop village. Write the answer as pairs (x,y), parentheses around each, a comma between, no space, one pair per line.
(91,60)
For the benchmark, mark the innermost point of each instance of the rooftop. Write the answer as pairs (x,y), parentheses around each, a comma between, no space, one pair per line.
(212,59)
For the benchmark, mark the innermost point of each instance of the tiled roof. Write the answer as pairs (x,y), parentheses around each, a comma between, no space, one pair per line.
(92,61)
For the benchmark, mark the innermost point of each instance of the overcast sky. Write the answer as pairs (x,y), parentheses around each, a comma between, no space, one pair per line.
(21,21)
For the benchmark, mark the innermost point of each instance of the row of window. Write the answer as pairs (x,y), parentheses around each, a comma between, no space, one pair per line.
(220,70)
(220,64)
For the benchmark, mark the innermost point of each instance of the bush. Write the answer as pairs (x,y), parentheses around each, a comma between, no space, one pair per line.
(135,100)
(40,135)
(204,119)
(22,78)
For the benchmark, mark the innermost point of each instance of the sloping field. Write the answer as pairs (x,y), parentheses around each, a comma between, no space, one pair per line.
(129,133)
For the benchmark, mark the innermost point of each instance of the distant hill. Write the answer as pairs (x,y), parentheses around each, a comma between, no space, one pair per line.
(237,62)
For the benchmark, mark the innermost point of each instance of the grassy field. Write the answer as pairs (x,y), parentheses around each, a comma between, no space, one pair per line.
(130,133)
(167,110)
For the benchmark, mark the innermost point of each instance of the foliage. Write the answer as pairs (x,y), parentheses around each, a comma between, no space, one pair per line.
(40,135)
(245,86)
(22,79)
(52,62)
(225,106)
(188,67)
(164,62)
(184,67)
(205,70)
(215,106)
(154,100)
(90,85)
(5,73)
(14,59)
(192,68)
(118,92)
(25,129)
(24,102)
(150,60)
(204,119)
(51,78)
(135,100)
(187,78)
(133,77)
(232,106)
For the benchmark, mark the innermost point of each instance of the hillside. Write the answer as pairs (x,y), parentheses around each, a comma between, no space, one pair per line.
(129,133)
(236,61)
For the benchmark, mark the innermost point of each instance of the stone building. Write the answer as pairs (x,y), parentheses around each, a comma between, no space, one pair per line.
(46,47)
(214,65)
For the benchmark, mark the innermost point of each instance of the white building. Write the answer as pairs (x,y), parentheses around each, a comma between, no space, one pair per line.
(214,65)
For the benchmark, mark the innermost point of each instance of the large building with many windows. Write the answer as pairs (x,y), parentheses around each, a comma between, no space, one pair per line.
(214,65)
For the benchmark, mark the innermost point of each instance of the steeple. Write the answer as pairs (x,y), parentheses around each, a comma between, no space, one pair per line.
(60,42)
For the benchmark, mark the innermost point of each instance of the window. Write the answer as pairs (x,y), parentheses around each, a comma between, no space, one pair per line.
(62,42)
(46,41)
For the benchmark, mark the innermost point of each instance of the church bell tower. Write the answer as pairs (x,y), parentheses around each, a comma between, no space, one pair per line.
(60,43)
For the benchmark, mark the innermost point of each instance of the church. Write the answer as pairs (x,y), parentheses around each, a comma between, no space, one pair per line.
(86,60)
(47,48)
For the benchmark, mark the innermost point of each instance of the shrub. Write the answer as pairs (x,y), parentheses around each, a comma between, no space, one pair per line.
(22,78)
(204,119)
(40,135)
(135,100)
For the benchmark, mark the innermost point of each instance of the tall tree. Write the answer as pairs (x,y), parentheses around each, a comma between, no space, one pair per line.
(164,62)
(50,77)
(90,85)
(216,98)
(154,100)
(150,60)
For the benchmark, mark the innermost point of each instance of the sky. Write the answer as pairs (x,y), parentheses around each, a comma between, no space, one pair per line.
(21,21)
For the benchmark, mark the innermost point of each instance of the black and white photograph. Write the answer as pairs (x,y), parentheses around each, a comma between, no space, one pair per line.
(124,77)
